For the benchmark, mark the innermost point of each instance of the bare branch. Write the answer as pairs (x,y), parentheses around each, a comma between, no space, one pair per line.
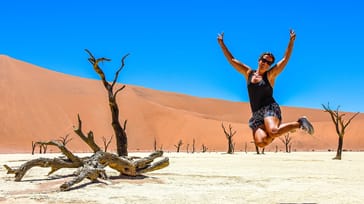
(121,67)
(223,127)
(65,140)
(95,63)
(92,58)
(117,91)
(63,149)
(125,122)
(106,143)
(89,139)
(352,117)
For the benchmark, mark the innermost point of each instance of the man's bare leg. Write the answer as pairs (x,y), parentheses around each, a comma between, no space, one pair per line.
(273,128)
(261,138)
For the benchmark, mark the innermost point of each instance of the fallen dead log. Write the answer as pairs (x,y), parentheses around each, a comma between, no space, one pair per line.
(92,167)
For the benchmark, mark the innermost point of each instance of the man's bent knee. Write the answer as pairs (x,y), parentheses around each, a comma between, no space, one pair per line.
(264,142)
(273,132)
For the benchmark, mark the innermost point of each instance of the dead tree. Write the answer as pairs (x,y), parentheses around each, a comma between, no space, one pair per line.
(92,167)
(193,145)
(178,145)
(64,140)
(340,126)
(155,144)
(106,143)
(188,145)
(120,132)
(287,140)
(204,148)
(42,147)
(229,136)
(33,147)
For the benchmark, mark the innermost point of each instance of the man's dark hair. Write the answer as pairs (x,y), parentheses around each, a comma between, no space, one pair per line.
(269,54)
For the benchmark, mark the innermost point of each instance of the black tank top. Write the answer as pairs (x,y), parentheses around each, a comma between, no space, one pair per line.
(260,93)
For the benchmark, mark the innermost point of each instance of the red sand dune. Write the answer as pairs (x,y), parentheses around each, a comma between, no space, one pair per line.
(39,105)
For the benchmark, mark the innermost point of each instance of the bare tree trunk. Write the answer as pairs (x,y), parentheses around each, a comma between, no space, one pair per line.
(193,145)
(339,148)
(178,146)
(230,146)
(120,134)
(33,147)
(204,148)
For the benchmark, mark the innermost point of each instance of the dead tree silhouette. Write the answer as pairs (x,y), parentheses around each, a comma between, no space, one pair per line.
(229,136)
(120,131)
(287,140)
(178,145)
(340,126)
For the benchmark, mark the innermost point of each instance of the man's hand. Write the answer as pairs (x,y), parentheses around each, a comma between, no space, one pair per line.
(292,34)
(220,36)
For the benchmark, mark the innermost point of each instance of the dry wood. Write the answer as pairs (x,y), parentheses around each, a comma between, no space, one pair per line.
(120,134)
(90,167)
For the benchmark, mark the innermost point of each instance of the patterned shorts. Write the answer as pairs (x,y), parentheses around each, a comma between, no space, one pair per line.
(258,116)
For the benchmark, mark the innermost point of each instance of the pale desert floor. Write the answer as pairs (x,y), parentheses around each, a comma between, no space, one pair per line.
(297,177)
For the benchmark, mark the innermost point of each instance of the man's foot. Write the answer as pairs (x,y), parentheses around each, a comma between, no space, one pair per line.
(306,125)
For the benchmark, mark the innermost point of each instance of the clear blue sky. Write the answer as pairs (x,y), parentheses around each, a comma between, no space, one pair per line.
(173,46)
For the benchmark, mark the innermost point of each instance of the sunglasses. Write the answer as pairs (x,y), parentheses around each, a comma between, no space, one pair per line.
(266,61)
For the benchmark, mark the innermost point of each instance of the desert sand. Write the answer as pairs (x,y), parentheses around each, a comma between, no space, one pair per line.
(41,105)
(38,104)
(297,177)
